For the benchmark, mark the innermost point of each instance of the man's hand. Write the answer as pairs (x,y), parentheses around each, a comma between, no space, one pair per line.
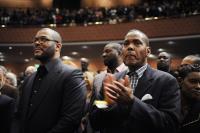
(118,91)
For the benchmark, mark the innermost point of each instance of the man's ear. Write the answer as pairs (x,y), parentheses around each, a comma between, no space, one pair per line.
(58,46)
(148,51)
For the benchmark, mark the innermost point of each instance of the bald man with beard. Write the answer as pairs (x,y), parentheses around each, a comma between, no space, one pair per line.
(53,98)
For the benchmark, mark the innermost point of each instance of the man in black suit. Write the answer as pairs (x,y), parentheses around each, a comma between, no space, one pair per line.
(53,98)
(147,102)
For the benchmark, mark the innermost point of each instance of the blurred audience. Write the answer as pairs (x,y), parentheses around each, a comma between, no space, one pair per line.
(6,87)
(87,16)
(11,79)
(29,70)
(7,104)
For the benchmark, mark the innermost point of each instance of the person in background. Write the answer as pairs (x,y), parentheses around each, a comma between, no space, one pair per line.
(29,71)
(146,101)
(7,88)
(11,79)
(190,91)
(164,62)
(52,99)
(191,59)
(88,76)
(112,58)
(7,107)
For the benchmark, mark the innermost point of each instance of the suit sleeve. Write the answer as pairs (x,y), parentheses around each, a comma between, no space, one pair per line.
(164,118)
(74,98)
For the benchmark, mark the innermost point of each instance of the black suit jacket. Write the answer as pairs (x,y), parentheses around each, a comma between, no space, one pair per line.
(160,114)
(59,106)
(7,105)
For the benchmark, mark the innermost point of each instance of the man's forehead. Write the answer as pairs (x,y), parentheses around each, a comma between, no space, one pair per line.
(163,54)
(43,33)
(135,36)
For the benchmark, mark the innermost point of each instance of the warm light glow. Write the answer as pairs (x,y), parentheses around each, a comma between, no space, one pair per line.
(47,3)
(107,3)
(26,3)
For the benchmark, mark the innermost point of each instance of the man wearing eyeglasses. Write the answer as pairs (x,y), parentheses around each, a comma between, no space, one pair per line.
(53,98)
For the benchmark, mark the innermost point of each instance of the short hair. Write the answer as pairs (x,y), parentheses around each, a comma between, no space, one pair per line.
(184,70)
(138,32)
(116,46)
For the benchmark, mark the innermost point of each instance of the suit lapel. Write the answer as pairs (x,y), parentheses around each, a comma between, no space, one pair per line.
(144,83)
(48,82)
(27,91)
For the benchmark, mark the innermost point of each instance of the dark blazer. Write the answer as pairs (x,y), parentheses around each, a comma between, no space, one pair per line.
(59,106)
(7,105)
(159,114)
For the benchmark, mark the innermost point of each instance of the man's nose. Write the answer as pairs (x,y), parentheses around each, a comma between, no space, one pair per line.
(131,47)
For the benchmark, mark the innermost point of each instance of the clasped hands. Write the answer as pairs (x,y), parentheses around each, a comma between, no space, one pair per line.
(117,91)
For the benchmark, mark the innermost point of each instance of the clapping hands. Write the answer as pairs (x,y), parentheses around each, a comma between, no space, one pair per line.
(117,91)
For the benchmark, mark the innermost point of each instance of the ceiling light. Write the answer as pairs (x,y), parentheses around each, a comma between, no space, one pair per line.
(10,48)
(26,60)
(161,50)
(66,58)
(84,47)
(170,42)
(74,53)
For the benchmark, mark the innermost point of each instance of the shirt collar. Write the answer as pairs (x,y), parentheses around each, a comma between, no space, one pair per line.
(121,68)
(51,64)
(140,71)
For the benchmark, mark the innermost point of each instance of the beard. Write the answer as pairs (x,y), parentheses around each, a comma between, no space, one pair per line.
(163,67)
(46,55)
(110,62)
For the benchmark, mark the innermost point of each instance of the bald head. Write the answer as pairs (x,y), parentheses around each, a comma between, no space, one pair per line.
(84,64)
(138,34)
(54,35)
(191,59)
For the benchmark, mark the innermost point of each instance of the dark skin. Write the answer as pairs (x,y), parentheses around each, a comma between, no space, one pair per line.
(135,52)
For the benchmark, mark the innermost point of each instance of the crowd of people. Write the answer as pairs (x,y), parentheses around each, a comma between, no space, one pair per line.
(129,96)
(88,16)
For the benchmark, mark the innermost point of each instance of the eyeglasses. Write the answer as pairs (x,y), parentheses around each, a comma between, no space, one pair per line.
(43,40)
